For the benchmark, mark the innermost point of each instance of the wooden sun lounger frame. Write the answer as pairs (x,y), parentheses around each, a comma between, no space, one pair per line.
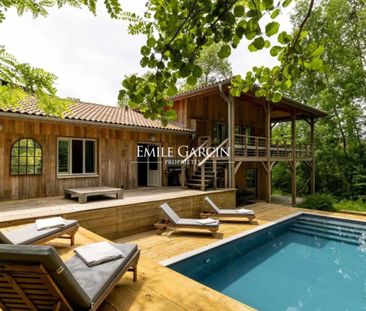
(15,279)
(163,225)
(213,214)
(68,233)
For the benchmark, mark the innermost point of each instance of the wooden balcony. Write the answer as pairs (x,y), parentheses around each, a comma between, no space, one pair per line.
(254,148)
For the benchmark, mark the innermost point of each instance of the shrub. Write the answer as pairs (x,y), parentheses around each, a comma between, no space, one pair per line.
(358,205)
(323,202)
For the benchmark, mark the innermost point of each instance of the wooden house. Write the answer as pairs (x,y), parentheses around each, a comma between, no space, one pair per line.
(96,145)
(93,145)
(244,125)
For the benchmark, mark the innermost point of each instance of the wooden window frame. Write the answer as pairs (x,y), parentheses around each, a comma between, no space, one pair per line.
(69,174)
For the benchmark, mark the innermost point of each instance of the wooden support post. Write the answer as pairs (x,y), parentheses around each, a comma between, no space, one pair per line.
(214,168)
(312,166)
(203,177)
(231,135)
(183,175)
(293,154)
(268,108)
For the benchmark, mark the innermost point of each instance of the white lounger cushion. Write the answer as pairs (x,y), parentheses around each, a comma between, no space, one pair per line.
(206,221)
(28,234)
(97,253)
(49,223)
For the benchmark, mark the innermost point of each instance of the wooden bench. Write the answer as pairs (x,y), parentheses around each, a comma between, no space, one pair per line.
(83,193)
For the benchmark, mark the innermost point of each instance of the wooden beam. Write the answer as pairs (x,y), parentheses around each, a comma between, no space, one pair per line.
(231,134)
(264,164)
(293,139)
(237,166)
(268,129)
(312,172)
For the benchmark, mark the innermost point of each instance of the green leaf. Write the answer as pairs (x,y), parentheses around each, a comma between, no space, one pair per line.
(286,3)
(258,43)
(145,50)
(287,84)
(319,51)
(191,80)
(197,71)
(172,90)
(275,50)
(276,97)
(267,4)
(224,52)
(316,64)
(272,28)
(151,42)
(275,13)
(284,37)
(239,10)
(252,48)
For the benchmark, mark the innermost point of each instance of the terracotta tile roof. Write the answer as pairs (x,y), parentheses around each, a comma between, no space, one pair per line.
(98,113)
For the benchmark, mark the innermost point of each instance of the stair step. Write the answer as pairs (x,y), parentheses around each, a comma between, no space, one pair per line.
(326,236)
(332,223)
(194,185)
(198,178)
(332,227)
(325,230)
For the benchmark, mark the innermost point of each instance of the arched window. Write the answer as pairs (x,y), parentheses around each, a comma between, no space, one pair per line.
(26,157)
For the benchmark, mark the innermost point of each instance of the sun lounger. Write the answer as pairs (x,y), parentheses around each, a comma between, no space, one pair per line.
(226,213)
(184,223)
(35,278)
(28,234)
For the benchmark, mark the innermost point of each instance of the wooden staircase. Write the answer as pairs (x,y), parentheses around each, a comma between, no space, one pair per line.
(195,179)
(205,172)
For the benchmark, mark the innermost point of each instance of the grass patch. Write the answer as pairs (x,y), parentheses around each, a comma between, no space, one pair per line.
(349,205)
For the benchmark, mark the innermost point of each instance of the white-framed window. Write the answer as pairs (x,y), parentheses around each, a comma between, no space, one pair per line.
(76,157)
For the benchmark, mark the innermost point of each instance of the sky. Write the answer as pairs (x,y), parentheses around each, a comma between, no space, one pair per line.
(91,54)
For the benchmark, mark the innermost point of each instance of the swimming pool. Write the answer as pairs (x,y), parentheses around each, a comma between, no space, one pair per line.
(303,262)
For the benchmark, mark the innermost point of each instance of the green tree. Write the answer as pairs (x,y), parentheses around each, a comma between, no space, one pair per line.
(18,80)
(213,67)
(340,90)
(177,31)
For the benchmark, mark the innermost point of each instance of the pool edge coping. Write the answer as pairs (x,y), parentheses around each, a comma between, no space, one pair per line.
(180,257)
(185,255)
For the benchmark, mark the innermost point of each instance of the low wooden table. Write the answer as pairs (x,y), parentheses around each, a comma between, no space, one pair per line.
(83,193)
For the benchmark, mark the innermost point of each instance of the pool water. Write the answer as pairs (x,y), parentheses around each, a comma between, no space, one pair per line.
(310,263)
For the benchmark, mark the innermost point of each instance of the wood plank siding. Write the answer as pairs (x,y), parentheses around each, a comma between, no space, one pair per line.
(116,149)
(202,111)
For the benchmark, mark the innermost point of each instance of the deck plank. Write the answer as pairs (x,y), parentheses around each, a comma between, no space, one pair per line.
(159,288)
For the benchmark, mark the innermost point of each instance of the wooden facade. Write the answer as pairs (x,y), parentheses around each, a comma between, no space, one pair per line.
(247,124)
(116,155)
(210,115)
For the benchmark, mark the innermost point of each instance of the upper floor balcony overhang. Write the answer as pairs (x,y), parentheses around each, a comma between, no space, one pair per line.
(280,112)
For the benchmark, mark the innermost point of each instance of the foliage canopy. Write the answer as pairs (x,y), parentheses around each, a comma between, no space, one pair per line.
(178,30)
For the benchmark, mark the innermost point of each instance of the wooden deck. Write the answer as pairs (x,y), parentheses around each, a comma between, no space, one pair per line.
(159,288)
(41,207)
(116,218)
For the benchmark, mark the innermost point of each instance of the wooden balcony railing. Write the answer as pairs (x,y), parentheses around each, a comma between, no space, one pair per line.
(255,146)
